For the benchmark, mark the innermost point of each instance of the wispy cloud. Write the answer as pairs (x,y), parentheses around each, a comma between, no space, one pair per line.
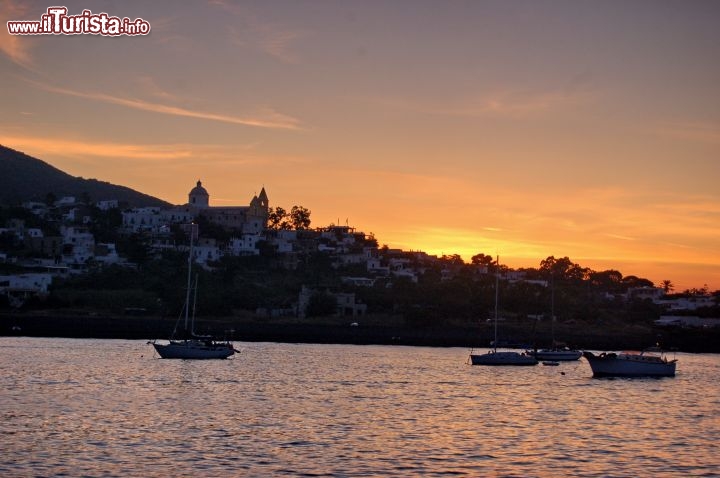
(692,131)
(519,104)
(149,85)
(70,147)
(17,48)
(269,119)
(618,236)
(271,38)
(277,43)
(515,104)
(215,156)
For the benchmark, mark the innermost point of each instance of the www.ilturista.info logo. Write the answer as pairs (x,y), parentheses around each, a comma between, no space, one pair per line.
(57,22)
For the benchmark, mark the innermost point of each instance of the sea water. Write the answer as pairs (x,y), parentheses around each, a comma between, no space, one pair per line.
(112,408)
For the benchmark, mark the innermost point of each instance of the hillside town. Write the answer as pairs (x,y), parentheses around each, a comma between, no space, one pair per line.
(66,237)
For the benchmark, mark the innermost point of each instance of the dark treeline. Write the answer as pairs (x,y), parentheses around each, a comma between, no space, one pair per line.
(446,291)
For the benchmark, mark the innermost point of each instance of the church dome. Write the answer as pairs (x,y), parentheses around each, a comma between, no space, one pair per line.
(199,190)
(199,196)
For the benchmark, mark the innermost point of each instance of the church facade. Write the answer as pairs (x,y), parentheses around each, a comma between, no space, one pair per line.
(242,220)
(250,219)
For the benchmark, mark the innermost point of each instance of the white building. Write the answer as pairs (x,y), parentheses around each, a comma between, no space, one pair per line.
(25,284)
(641,293)
(142,219)
(107,205)
(106,254)
(283,240)
(207,252)
(687,303)
(687,321)
(374,265)
(37,208)
(358,281)
(65,201)
(34,233)
(177,215)
(245,245)
(346,303)
(78,245)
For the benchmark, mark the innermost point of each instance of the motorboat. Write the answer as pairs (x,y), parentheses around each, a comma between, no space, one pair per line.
(647,363)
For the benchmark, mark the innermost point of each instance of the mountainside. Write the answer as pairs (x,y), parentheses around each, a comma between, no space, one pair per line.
(24,178)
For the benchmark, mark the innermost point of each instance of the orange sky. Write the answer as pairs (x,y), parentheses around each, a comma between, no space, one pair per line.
(526,128)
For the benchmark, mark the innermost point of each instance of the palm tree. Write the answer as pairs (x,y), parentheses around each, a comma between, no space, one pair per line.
(667,286)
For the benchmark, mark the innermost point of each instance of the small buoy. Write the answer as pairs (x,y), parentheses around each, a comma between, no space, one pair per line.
(562,373)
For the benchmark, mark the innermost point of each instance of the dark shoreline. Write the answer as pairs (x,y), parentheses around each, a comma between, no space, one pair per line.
(292,331)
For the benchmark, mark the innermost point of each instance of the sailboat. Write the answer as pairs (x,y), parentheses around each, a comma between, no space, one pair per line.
(493,357)
(186,344)
(556,353)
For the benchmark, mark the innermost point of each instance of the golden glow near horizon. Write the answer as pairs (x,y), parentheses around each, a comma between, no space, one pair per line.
(527,129)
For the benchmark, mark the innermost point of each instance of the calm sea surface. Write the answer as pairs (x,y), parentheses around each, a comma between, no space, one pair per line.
(111,408)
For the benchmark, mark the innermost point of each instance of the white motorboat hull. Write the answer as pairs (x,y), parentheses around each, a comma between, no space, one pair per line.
(558,355)
(633,365)
(502,358)
(194,349)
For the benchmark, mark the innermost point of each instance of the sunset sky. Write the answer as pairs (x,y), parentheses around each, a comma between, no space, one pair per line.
(587,129)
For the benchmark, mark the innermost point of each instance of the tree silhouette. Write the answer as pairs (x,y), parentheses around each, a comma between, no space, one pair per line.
(300,217)
(481,259)
(277,219)
(667,286)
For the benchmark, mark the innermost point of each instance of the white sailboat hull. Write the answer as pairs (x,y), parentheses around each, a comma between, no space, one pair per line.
(629,365)
(194,349)
(502,358)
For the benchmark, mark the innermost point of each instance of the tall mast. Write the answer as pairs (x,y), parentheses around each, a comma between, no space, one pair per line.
(552,308)
(497,286)
(192,321)
(189,277)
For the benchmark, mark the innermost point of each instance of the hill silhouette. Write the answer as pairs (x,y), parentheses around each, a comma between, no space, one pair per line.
(24,178)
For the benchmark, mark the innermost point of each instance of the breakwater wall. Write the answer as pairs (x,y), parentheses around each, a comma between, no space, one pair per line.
(145,328)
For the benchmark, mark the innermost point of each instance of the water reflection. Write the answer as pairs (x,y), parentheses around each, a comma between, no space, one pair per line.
(95,408)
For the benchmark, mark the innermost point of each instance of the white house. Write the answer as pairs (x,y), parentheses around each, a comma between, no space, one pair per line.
(283,240)
(142,219)
(641,293)
(374,265)
(37,208)
(106,254)
(204,253)
(25,285)
(245,245)
(107,204)
(34,233)
(78,245)
(65,201)
(687,321)
(358,281)
(346,303)
(406,273)
(687,303)
(177,215)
